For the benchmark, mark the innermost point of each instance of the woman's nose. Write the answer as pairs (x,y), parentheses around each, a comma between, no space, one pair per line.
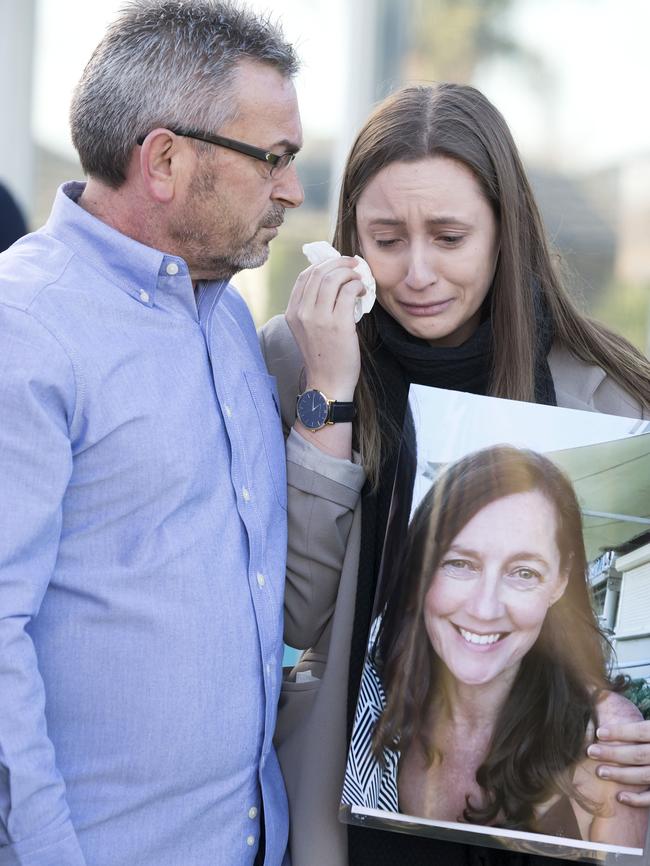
(485,602)
(422,268)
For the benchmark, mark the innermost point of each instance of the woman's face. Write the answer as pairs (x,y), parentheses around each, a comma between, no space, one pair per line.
(492,590)
(431,240)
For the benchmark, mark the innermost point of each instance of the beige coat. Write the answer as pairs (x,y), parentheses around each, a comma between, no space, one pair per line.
(324,534)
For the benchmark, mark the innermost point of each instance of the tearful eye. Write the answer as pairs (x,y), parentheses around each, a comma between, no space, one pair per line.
(450,240)
(386,243)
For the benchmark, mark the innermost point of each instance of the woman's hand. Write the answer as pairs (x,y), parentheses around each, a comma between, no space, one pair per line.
(321,317)
(623,751)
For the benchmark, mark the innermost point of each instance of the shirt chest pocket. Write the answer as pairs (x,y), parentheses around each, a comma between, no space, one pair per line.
(263,391)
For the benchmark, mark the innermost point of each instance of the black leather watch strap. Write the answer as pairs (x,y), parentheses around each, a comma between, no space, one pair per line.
(341,412)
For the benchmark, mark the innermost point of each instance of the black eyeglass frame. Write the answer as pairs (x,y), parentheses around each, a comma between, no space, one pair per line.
(274,160)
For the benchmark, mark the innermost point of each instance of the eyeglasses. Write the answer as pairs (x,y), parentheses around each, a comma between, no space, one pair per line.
(278,163)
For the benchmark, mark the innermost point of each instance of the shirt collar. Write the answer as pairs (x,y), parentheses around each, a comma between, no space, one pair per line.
(137,269)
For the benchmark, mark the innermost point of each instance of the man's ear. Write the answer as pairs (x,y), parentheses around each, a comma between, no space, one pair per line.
(161,158)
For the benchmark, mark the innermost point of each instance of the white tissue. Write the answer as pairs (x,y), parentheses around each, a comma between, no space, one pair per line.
(321,251)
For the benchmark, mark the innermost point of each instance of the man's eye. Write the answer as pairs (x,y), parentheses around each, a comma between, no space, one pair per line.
(386,243)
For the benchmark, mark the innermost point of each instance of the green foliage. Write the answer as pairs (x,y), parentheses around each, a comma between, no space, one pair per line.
(638,691)
(452,37)
(625,308)
(287,261)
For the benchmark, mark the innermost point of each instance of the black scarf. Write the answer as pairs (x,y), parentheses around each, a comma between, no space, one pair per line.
(400,359)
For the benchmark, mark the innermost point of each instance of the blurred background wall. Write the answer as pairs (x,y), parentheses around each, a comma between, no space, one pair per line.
(570,76)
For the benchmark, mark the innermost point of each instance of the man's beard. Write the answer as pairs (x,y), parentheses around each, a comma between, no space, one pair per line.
(251,254)
(195,237)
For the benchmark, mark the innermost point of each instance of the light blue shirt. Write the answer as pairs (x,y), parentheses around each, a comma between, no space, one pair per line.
(142,559)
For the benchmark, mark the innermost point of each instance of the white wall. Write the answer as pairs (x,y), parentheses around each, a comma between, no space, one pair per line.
(633,620)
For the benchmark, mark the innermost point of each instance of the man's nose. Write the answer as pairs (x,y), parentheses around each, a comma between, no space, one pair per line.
(287,188)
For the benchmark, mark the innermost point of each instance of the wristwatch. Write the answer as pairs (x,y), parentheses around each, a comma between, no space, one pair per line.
(314,410)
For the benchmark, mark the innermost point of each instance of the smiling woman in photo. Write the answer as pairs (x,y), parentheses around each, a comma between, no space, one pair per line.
(487,674)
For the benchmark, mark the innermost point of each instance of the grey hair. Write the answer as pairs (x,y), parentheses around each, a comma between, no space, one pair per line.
(167,63)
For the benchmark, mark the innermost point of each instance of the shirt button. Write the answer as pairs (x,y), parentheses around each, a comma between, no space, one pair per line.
(260,579)
(228,410)
(252,812)
(172,269)
(245,494)
(269,668)
(250,841)
(144,296)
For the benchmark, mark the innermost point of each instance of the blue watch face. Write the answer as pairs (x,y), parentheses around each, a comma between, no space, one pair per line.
(312,409)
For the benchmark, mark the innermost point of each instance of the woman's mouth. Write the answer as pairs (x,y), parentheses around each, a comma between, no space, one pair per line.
(432,309)
(476,639)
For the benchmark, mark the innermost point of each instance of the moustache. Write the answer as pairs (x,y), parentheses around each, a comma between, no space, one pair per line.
(273,219)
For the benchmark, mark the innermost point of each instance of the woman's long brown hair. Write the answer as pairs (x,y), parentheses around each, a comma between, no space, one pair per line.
(458,122)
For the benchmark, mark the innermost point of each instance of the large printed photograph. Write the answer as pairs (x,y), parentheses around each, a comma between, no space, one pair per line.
(512,620)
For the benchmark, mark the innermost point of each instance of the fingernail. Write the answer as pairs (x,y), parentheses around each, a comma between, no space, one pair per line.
(594,751)
(623,797)
(603,772)
(602,733)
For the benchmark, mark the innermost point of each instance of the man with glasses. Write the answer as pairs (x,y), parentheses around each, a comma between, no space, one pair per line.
(143,527)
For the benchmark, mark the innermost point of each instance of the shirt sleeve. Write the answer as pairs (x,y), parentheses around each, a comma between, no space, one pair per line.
(323,492)
(37,402)
(322,495)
